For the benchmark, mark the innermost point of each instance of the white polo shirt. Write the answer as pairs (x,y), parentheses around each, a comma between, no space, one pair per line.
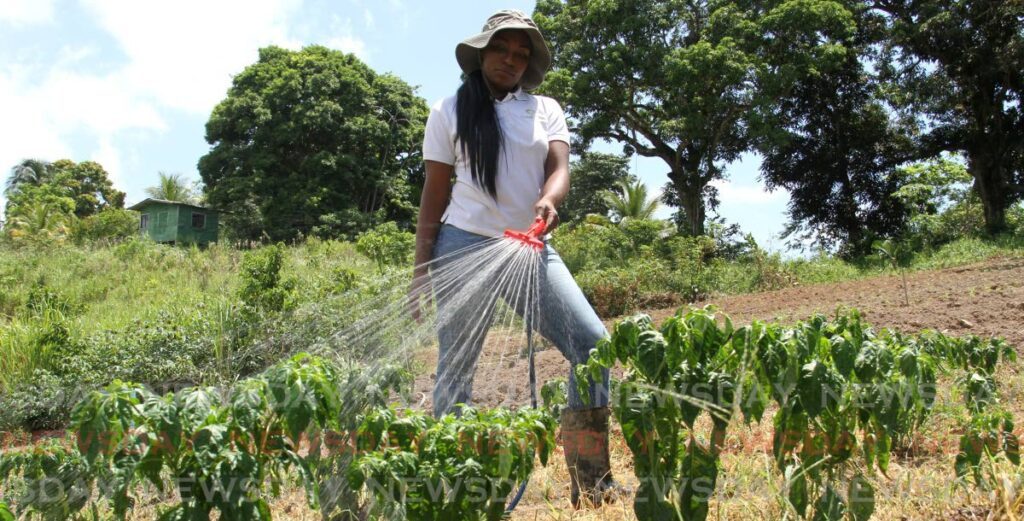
(528,124)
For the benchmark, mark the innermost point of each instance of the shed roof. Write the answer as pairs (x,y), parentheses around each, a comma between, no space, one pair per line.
(150,200)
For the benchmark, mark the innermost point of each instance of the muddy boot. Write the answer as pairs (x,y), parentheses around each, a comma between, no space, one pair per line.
(584,435)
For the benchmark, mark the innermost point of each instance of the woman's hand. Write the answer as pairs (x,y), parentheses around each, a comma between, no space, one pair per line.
(545,209)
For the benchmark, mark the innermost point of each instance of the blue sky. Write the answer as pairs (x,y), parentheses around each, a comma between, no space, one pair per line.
(131,83)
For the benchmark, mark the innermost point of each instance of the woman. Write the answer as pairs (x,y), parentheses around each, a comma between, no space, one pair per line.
(508,151)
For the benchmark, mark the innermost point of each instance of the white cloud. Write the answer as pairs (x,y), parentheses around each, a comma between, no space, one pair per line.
(345,40)
(183,54)
(349,44)
(26,12)
(180,55)
(368,19)
(108,155)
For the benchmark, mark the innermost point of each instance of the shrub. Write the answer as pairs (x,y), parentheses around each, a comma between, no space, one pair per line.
(612,291)
(592,246)
(386,245)
(261,285)
(645,232)
(108,224)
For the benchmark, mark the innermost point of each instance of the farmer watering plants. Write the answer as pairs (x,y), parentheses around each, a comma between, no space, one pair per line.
(497,158)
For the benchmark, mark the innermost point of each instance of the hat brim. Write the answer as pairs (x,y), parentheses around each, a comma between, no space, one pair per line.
(467,54)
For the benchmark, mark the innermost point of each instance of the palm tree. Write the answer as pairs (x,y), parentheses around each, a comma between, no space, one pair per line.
(39,220)
(630,201)
(172,187)
(32,172)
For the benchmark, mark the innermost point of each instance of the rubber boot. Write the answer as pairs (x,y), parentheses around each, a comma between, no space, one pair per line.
(584,436)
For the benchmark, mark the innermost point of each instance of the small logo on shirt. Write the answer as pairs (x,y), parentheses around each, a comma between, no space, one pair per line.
(529,112)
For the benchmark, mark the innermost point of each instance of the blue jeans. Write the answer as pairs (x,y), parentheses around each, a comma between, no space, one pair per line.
(565,318)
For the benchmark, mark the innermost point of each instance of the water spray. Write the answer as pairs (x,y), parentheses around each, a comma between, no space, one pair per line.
(530,239)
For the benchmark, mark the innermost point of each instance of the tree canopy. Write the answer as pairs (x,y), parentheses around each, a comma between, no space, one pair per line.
(958,67)
(86,184)
(314,142)
(684,81)
(592,175)
(834,148)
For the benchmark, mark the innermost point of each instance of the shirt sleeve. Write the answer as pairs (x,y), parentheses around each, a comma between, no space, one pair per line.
(555,124)
(438,141)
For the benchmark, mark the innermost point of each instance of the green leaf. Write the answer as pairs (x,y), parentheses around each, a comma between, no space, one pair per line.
(698,474)
(796,481)
(754,400)
(866,366)
(650,356)
(829,507)
(844,355)
(861,498)
(819,388)
(650,504)
(5,513)
(883,448)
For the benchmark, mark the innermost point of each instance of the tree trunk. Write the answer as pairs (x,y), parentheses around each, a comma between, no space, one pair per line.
(692,199)
(987,171)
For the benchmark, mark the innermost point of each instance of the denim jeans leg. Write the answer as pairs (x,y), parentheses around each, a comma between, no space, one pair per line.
(461,329)
(567,319)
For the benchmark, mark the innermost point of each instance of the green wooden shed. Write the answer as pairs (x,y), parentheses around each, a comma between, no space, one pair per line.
(177,223)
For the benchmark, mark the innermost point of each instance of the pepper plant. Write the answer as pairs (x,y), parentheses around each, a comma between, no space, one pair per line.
(50,480)
(221,450)
(844,395)
(461,466)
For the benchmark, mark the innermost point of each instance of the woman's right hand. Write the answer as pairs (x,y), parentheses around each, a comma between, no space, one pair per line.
(420,294)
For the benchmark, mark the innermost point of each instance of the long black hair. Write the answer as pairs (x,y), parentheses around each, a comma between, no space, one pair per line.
(478,130)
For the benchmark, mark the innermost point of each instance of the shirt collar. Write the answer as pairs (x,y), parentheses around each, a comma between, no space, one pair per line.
(517,94)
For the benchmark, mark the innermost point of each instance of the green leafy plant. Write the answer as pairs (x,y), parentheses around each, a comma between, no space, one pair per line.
(261,284)
(51,480)
(554,396)
(845,396)
(221,450)
(460,466)
(899,255)
(386,245)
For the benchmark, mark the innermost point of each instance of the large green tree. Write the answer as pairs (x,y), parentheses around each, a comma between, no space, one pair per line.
(682,80)
(87,183)
(958,65)
(592,175)
(834,149)
(313,141)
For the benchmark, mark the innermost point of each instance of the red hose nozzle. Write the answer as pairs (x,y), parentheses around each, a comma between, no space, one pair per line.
(530,237)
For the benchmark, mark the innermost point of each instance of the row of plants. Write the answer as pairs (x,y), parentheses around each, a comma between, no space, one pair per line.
(844,397)
(325,422)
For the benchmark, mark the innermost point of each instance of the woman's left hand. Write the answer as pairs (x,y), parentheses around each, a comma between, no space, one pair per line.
(545,209)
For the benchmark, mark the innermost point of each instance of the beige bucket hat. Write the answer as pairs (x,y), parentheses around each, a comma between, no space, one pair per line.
(468,52)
